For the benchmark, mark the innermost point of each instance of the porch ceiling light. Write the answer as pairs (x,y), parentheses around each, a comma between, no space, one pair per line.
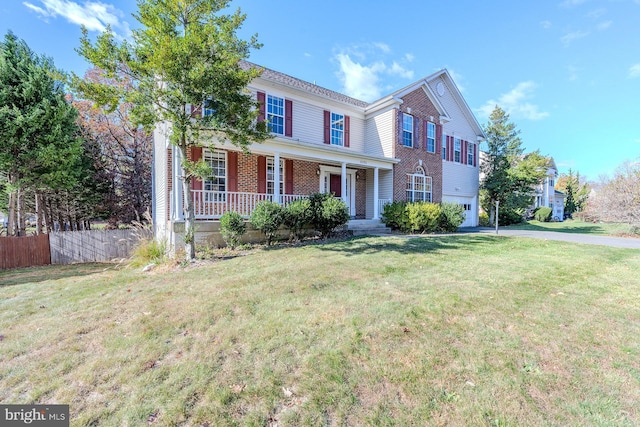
(318,171)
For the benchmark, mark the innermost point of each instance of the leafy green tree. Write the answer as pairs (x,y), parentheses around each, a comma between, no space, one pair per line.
(185,53)
(576,191)
(509,173)
(39,146)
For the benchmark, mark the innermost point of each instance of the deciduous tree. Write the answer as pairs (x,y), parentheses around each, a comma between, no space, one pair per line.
(185,53)
(123,151)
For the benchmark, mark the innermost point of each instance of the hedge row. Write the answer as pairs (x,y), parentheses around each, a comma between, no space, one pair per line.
(423,217)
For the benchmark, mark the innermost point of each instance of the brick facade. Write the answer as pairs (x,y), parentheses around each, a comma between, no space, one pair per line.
(417,104)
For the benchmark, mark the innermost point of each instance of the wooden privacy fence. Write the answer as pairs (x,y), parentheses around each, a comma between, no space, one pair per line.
(67,247)
(27,251)
(93,245)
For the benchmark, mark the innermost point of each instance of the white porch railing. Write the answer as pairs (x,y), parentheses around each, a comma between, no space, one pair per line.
(212,204)
(382,203)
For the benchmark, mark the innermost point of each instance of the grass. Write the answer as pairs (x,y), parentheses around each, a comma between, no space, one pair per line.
(452,330)
(578,226)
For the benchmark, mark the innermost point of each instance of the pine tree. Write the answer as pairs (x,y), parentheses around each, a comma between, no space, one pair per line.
(185,53)
(39,146)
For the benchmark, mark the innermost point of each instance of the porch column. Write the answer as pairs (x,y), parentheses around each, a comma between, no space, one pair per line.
(276,178)
(178,200)
(376,202)
(343,183)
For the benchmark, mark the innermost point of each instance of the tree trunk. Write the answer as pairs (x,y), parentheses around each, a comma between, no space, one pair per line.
(39,213)
(46,210)
(12,223)
(189,221)
(22,227)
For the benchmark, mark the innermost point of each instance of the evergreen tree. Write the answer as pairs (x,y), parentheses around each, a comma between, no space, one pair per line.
(39,146)
(509,173)
(185,53)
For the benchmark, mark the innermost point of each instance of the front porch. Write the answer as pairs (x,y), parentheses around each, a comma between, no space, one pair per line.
(211,205)
(242,180)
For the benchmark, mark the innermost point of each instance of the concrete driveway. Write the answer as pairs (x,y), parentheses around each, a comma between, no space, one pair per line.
(590,239)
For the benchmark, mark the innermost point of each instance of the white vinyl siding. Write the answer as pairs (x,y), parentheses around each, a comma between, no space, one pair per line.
(380,134)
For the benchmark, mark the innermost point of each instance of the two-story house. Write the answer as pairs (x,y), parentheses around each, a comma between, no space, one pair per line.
(418,143)
(548,196)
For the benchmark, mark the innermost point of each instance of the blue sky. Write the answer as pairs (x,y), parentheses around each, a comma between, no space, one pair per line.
(567,71)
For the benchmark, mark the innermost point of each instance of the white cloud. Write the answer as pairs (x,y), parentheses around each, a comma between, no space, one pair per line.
(515,103)
(383,47)
(410,57)
(604,25)
(359,81)
(545,24)
(366,71)
(634,71)
(399,70)
(569,38)
(573,72)
(94,15)
(570,3)
(597,13)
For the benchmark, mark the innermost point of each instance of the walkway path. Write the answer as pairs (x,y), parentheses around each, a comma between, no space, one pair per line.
(591,239)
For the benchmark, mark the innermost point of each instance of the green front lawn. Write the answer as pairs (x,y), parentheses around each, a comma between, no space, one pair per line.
(452,330)
(577,226)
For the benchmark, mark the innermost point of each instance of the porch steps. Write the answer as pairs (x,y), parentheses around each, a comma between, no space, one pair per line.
(361,227)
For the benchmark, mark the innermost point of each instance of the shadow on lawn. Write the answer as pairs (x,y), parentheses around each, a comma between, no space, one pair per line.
(49,272)
(591,229)
(409,244)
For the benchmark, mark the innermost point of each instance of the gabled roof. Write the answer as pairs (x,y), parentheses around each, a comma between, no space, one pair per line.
(393,98)
(444,74)
(287,80)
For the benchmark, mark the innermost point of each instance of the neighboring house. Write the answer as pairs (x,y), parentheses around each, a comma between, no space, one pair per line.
(548,196)
(418,143)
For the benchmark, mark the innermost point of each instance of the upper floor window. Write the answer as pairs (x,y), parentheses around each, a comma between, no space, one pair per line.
(444,147)
(418,186)
(407,130)
(431,137)
(275,114)
(271,175)
(470,154)
(552,182)
(337,129)
(457,150)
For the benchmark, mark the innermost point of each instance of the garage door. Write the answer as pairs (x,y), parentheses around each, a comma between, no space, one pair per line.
(470,208)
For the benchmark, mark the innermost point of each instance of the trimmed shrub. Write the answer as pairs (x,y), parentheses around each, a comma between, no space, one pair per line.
(542,214)
(327,212)
(423,216)
(451,216)
(267,217)
(395,215)
(232,227)
(297,217)
(483,220)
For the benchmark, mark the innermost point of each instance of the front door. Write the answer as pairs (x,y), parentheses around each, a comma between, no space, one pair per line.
(335,185)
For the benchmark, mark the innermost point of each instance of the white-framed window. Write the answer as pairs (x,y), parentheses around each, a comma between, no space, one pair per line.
(407,130)
(337,129)
(552,183)
(271,176)
(431,137)
(444,147)
(418,186)
(470,154)
(275,114)
(457,150)
(217,182)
